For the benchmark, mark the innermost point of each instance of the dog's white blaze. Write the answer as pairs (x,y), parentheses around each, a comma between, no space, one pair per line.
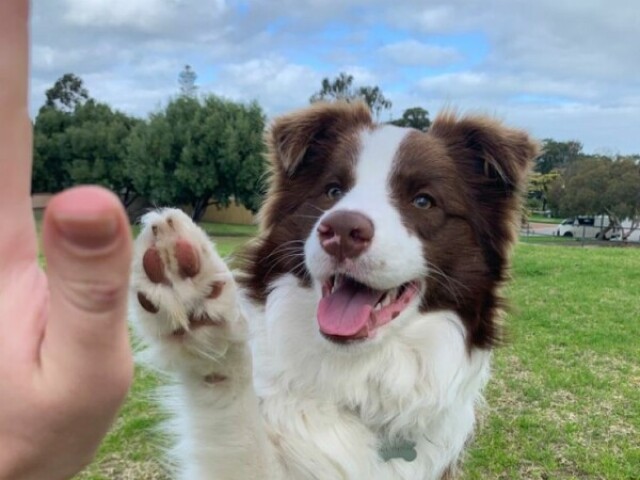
(394,256)
(379,149)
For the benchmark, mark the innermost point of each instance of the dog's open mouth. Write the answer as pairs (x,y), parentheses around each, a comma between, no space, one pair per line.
(350,310)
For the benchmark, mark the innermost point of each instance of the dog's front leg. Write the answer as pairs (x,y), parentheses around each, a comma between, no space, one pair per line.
(185,308)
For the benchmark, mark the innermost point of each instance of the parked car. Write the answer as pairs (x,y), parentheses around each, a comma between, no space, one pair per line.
(565,228)
(584,226)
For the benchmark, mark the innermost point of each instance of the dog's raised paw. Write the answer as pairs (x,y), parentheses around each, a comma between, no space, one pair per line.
(182,291)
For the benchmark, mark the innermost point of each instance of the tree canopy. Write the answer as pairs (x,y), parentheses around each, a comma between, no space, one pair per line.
(599,185)
(66,94)
(539,185)
(342,88)
(83,146)
(97,149)
(187,81)
(195,151)
(557,155)
(416,117)
(200,152)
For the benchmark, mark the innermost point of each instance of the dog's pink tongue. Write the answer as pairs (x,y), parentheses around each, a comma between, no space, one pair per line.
(346,311)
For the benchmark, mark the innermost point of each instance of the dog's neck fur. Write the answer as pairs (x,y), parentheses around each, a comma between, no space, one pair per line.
(420,385)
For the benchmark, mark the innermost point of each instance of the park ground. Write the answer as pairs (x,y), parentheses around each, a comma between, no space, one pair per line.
(564,401)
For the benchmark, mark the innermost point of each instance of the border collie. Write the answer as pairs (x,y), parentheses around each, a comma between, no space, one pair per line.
(354,343)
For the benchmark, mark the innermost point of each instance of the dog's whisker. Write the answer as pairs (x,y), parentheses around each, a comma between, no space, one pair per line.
(315,206)
(282,259)
(450,284)
(283,249)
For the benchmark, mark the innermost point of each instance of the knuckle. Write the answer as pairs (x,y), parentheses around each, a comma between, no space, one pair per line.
(94,296)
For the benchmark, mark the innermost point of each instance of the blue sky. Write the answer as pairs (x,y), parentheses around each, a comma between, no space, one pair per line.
(566,69)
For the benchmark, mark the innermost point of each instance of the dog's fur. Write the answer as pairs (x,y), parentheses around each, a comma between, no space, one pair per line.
(261,393)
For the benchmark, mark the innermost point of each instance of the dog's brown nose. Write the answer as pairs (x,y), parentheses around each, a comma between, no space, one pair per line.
(345,234)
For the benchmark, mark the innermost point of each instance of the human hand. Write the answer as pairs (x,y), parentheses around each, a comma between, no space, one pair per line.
(65,360)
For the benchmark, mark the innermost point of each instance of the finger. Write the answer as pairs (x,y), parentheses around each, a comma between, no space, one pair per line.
(87,243)
(17,242)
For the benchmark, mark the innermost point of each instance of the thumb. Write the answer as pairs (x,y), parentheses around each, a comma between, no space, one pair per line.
(87,244)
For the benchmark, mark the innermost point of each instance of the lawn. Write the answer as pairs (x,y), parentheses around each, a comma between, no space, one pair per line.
(533,218)
(564,402)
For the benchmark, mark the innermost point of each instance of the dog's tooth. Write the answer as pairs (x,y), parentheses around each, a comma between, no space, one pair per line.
(388,298)
(377,307)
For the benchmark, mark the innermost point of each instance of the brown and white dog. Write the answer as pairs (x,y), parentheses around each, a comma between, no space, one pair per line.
(355,342)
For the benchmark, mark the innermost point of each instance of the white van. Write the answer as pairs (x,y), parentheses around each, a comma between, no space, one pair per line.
(584,226)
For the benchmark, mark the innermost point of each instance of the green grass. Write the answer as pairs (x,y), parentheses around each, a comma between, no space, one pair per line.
(229,230)
(130,451)
(542,219)
(564,400)
(549,239)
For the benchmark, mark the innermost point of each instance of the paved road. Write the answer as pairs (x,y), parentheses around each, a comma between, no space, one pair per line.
(543,228)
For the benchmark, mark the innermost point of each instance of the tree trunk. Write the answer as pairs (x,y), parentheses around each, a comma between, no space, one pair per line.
(128,197)
(635,223)
(199,208)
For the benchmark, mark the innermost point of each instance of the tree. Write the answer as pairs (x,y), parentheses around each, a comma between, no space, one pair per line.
(342,89)
(49,155)
(557,155)
(187,81)
(623,195)
(600,186)
(96,142)
(83,146)
(200,152)
(539,185)
(66,94)
(373,97)
(416,117)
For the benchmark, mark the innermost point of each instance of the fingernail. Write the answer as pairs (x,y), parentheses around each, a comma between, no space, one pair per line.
(88,232)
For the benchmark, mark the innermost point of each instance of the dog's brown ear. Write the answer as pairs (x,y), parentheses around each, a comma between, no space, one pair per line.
(496,156)
(297,135)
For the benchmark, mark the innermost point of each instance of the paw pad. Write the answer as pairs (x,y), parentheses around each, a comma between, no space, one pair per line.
(216,289)
(146,303)
(188,259)
(214,378)
(153,266)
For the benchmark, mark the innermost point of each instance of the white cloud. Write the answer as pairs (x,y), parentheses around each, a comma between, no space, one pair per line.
(564,66)
(144,15)
(361,75)
(485,85)
(276,84)
(600,129)
(412,52)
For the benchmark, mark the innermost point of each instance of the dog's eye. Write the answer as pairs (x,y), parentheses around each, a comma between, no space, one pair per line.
(423,201)
(334,192)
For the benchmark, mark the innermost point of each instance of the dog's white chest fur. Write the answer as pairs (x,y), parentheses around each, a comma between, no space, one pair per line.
(334,413)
